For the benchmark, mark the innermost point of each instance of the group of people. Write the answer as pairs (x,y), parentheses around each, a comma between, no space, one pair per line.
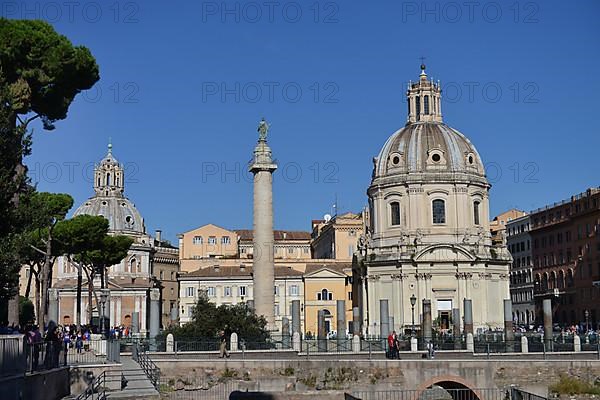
(393,342)
(119,332)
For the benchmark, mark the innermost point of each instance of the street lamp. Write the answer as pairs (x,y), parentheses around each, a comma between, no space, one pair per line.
(587,321)
(413,301)
(103,298)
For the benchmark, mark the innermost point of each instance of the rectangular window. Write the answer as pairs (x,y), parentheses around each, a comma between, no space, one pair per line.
(476,213)
(276,309)
(290,250)
(225,240)
(190,291)
(190,310)
(197,240)
(210,291)
(438,211)
(227,291)
(242,290)
(212,240)
(349,295)
(395,210)
(294,290)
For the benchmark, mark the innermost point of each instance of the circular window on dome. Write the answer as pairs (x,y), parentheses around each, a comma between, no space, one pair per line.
(129,220)
(123,204)
(470,159)
(436,157)
(396,160)
(104,203)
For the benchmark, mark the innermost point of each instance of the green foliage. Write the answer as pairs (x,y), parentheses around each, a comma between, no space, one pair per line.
(43,69)
(571,385)
(26,311)
(208,320)
(41,72)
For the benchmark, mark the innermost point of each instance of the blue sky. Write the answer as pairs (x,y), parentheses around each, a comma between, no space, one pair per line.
(184,84)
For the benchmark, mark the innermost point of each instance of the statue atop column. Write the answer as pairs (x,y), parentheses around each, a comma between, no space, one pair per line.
(263,130)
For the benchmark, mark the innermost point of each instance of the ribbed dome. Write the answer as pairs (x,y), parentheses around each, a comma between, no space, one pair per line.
(428,147)
(109,200)
(121,214)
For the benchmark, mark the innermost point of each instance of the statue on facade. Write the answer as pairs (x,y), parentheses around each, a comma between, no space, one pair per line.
(263,129)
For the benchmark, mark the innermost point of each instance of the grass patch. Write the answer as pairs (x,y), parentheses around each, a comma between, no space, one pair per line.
(571,385)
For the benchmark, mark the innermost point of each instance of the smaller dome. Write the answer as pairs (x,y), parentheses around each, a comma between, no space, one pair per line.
(121,214)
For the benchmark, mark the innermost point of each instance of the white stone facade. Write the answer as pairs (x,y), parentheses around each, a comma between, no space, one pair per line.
(429,232)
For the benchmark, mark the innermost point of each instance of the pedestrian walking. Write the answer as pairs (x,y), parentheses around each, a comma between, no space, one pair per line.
(223,345)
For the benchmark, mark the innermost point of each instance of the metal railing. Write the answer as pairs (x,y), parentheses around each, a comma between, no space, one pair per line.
(12,356)
(518,394)
(96,389)
(435,392)
(148,366)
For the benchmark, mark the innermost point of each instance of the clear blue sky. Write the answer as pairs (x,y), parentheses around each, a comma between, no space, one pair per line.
(179,95)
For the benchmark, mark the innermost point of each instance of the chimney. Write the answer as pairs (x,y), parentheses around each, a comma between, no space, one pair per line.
(158,235)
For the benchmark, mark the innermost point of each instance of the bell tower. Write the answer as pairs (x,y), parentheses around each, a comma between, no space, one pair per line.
(424,100)
(109,176)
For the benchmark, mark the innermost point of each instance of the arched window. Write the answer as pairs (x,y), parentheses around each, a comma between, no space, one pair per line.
(107,179)
(476,212)
(426,104)
(324,295)
(133,265)
(98,181)
(438,209)
(408,102)
(418,106)
(395,210)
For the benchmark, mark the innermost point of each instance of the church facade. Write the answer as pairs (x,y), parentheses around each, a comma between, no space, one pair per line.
(130,280)
(428,232)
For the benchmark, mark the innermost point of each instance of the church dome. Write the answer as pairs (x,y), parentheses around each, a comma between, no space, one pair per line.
(422,147)
(426,146)
(121,213)
(109,200)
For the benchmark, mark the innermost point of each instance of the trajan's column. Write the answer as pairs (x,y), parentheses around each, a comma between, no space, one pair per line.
(263,166)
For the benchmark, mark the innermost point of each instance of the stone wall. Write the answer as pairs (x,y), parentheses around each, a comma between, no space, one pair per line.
(305,375)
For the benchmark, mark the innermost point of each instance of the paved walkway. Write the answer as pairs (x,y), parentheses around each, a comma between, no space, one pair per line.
(138,384)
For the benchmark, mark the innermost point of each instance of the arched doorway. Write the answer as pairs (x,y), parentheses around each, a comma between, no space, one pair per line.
(447,388)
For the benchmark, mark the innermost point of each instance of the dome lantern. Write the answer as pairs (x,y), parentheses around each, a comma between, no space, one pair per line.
(424,99)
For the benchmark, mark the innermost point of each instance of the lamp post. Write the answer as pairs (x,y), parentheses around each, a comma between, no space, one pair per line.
(103,298)
(587,321)
(413,301)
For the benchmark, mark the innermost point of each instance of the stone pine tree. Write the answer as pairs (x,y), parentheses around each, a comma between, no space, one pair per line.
(41,72)
(40,212)
(92,250)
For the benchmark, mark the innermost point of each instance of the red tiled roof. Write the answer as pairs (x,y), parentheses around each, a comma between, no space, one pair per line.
(236,270)
(248,234)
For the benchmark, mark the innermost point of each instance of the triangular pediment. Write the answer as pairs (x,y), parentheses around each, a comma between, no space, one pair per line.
(324,273)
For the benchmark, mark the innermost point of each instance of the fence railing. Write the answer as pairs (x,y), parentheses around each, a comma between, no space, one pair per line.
(435,392)
(96,389)
(518,394)
(148,366)
(12,360)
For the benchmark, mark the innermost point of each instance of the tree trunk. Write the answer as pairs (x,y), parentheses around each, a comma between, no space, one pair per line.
(90,289)
(38,309)
(78,305)
(28,290)
(44,282)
